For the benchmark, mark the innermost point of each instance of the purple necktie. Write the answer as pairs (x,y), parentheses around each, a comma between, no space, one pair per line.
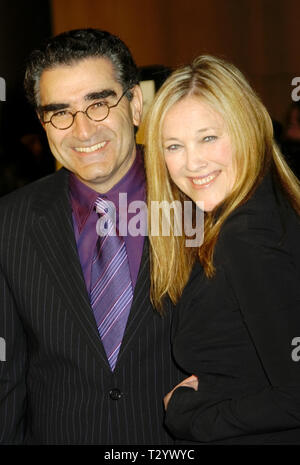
(111,287)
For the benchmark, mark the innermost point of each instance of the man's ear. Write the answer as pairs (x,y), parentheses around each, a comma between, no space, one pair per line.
(137,105)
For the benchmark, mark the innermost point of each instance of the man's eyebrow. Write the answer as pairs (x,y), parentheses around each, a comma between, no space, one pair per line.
(101,94)
(53,107)
(90,96)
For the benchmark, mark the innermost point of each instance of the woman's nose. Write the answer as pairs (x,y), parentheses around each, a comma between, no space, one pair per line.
(194,160)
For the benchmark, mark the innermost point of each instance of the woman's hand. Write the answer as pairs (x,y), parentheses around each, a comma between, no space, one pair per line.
(191,382)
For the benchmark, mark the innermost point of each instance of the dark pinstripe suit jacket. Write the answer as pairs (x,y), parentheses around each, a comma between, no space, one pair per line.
(56,385)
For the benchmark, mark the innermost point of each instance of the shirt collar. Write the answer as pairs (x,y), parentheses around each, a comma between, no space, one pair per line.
(83,197)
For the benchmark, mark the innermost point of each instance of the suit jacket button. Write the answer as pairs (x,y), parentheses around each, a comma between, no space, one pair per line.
(115,394)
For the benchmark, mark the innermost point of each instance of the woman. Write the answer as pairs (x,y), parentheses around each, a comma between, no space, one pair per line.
(237,324)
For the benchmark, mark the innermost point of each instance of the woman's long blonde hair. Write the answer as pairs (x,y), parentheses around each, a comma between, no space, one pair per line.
(225,89)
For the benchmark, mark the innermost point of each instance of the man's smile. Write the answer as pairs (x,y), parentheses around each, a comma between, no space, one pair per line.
(92,148)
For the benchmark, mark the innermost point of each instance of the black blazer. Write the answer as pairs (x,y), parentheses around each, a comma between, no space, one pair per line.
(238,332)
(56,386)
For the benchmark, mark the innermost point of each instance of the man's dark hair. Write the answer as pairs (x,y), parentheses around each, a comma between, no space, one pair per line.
(71,46)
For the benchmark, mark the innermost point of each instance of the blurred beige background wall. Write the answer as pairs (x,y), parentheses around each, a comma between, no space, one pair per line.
(260,36)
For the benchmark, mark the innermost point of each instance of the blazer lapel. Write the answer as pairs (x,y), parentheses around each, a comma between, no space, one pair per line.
(54,239)
(141,308)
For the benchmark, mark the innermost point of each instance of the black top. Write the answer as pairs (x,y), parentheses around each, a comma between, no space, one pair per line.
(239,331)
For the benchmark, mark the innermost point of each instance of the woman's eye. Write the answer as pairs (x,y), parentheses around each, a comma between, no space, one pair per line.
(209,138)
(172,147)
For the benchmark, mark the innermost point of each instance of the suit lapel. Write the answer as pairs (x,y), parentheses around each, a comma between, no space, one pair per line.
(141,308)
(53,237)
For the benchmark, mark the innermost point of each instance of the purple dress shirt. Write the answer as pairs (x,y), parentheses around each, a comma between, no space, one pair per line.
(85,217)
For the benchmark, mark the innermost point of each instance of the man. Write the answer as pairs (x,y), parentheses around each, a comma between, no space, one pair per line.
(60,382)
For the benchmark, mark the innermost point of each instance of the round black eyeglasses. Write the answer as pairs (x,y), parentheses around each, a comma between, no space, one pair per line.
(98,111)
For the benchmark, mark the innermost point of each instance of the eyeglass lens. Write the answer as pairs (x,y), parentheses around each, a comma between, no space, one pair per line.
(96,112)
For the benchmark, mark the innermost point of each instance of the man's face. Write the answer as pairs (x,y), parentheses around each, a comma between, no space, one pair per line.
(98,153)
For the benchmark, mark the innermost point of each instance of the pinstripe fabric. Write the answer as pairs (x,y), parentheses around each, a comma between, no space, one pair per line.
(55,384)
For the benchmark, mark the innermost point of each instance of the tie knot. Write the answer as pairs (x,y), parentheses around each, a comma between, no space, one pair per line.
(105,207)
(106,224)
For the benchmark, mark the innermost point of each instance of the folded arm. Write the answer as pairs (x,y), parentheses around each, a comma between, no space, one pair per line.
(265,280)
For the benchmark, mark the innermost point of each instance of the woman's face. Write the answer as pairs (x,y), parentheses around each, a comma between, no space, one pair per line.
(198,151)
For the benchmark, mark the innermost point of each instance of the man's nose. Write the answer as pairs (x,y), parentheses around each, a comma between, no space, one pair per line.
(83,127)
